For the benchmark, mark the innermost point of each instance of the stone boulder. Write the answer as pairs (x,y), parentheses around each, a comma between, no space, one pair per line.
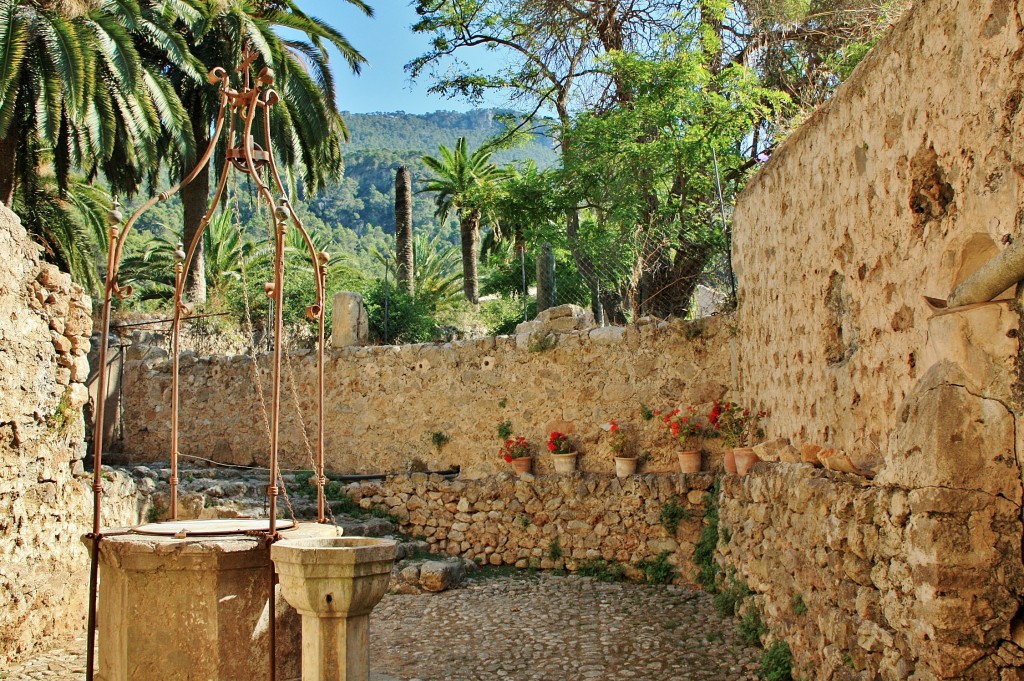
(438,575)
(561,319)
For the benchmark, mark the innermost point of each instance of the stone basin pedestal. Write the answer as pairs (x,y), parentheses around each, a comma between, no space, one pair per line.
(334,584)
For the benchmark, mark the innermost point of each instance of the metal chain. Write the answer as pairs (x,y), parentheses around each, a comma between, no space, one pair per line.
(252,340)
(302,422)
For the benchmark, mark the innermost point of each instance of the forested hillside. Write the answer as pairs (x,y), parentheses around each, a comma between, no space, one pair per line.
(356,216)
(381,142)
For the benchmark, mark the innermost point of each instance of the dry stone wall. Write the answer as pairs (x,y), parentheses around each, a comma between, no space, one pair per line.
(872,581)
(45,498)
(899,188)
(549,521)
(384,403)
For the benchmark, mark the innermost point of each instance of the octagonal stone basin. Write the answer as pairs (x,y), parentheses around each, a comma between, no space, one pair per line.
(334,583)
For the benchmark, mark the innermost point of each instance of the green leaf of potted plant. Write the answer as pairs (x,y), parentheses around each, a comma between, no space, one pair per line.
(740,429)
(683,426)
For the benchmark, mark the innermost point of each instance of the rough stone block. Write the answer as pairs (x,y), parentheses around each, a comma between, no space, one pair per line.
(350,324)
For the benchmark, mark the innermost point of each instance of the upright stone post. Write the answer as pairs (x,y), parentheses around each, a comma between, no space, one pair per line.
(350,325)
(334,584)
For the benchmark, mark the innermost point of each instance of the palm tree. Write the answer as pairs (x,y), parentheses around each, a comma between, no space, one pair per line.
(75,92)
(149,266)
(403,230)
(67,223)
(435,269)
(306,128)
(462,183)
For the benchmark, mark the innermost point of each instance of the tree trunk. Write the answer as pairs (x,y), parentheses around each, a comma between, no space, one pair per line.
(8,156)
(585,267)
(668,287)
(404,262)
(193,201)
(545,278)
(470,228)
(583,264)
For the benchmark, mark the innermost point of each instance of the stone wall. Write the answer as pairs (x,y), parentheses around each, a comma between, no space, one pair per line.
(45,499)
(384,403)
(873,581)
(504,520)
(898,188)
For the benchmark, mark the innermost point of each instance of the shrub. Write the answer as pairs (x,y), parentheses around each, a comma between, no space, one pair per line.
(602,570)
(555,550)
(502,315)
(704,552)
(752,627)
(409,319)
(658,570)
(672,513)
(776,663)
(727,600)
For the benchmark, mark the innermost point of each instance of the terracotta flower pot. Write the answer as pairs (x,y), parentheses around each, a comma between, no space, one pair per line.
(689,461)
(564,463)
(729,461)
(745,457)
(522,464)
(625,467)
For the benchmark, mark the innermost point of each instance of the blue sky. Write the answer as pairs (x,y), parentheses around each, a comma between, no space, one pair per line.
(388,43)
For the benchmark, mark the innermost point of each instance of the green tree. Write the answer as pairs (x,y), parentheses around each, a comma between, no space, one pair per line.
(83,89)
(646,170)
(149,266)
(556,56)
(306,128)
(436,270)
(461,183)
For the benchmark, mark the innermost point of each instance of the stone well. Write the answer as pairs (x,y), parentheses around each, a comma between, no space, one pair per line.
(182,609)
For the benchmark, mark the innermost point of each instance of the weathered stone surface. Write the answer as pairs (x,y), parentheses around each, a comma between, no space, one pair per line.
(875,567)
(350,324)
(44,503)
(572,387)
(560,319)
(511,521)
(209,596)
(440,575)
(615,630)
(837,239)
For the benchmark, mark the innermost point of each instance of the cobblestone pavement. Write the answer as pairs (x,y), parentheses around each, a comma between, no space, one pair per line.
(547,627)
(531,628)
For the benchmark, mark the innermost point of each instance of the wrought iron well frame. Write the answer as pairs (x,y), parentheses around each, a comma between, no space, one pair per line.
(239,109)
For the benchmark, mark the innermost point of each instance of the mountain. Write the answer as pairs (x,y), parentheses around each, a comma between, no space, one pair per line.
(424,133)
(363,202)
(357,215)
